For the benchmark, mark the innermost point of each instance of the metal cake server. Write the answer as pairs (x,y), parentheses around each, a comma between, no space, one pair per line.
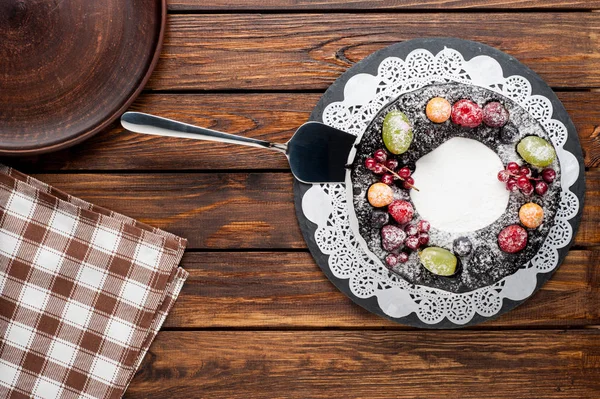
(317,153)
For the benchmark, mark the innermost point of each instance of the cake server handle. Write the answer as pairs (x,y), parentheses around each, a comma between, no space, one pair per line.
(139,122)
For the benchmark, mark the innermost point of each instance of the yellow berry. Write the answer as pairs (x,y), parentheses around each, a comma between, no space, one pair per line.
(438,110)
(380,195)
(531,215)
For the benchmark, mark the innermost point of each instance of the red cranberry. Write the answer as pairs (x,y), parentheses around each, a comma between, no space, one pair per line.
(380,155)
(511,185)
(378,169)
(541,188)
(412,242)
(503,176)
(388,179)
(408,183)
(423,238)
(411,229)
(402,257)
(370,163)
(523,182)
(528,189)
(525,171)
(513,168)
(548,175)
(466,113)
(391,260)
(404,173)
(424,226)
(391,164)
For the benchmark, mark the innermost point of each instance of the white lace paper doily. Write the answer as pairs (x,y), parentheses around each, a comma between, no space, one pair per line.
(330,207)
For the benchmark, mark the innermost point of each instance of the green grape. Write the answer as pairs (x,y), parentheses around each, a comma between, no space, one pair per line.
(536,151)
(439,261)
(397,132)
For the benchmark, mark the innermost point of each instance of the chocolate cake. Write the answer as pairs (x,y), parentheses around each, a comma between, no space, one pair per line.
(437,253)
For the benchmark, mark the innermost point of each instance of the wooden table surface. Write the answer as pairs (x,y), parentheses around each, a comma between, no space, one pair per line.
(257,318)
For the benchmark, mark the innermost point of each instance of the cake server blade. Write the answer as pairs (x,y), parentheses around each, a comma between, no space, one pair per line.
(317,153)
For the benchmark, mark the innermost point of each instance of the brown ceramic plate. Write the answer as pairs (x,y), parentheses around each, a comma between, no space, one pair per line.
(68,68)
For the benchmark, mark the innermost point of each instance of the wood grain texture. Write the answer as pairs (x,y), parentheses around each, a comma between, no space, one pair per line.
(288,290)
(371,364)
(442,5)
(309,51)
(232,210)
(267,116)
(272,325)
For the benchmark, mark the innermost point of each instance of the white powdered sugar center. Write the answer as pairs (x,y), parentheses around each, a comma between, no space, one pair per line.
(459,189)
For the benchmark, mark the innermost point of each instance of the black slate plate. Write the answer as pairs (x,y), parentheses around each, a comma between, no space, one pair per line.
(469,50)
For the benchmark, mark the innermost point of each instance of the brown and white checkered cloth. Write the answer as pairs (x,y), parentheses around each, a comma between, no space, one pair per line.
(83,292)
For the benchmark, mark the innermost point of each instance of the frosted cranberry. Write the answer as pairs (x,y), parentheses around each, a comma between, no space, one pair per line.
(404,173)
(391,260)
(370,163)
(525,171)
(391,164)
(494,114)
(380,155)
(466,113)
(511,185)
(541,188)
(388,179)
(424,226)
(528,189)
(412,242)
(512,239)
(522,182)
(423,238)
(392,237)
(513,168)
(402,257)
(378,169)
(503,176)
(408,183)
(411,230)
(401,211)
(548,175)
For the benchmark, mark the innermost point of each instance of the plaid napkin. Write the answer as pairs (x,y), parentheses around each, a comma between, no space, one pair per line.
(83,292)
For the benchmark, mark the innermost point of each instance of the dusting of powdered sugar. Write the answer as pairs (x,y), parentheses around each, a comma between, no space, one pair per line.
(458,186)
(486,264)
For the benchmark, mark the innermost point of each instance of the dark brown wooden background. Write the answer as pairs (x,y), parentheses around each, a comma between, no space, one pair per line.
(257,318)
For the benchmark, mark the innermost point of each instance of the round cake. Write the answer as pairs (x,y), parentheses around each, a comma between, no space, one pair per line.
(489,192)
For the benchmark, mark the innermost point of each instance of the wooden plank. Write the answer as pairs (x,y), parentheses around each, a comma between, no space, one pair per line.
(309,51)
(232,210)
(281,290)
(289,5)
(267,116)
(371,364)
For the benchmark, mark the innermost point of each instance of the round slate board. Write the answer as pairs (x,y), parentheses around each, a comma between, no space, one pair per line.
(468,49)
(69,68)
